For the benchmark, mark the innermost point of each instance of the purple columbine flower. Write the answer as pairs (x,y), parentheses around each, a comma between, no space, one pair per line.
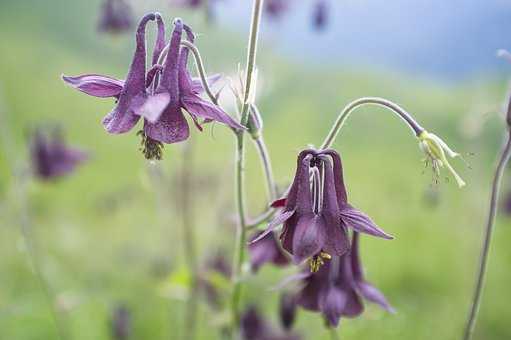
(158,95)
(255,327)
(266,250)
(116,17)
(338,287)
(52,158)
(276,8)
(316,215)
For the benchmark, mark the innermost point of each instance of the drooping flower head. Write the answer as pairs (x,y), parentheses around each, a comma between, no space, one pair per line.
(116,17)
(316,213)
(338,287)
(159,95)
(320,14)
(51,157)
(267,250)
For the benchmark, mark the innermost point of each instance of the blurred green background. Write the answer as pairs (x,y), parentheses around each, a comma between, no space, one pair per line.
(110,234)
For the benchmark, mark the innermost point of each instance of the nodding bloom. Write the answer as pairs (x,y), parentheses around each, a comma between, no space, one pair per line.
(338,287)
(158,95)
(267,250)
(120,327)
(51,157)
(116,17)
(435,150)
(316,215)
(320,15)
(254,327)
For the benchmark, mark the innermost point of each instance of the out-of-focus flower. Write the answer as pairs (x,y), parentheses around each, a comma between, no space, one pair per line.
(316,216)
(338,287)
(287,310)
(276,8)
(255,327)
(120,326)
(507,204)
(320,14)
(216,267)
(266,250)
(51,157)
(116,17)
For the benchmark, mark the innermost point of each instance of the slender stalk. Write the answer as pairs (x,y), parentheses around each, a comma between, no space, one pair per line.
(333,334)
(264,156)
(200,69)
(485,250)
(189,238)
(240,160)
(348,109)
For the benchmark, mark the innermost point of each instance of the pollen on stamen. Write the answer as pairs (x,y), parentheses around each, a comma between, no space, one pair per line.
(318,260)
(152,149)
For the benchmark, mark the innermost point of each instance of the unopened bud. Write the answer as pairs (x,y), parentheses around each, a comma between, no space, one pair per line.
(255,122)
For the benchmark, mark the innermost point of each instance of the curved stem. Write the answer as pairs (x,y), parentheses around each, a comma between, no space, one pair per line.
(200,69)
(240,155)
(265,216)
(264,156)
(189,238)
(497,179)
(341,119)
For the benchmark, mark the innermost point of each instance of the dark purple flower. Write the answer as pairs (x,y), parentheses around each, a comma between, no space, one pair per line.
(507,203)
(121,323)
(176,91)
(316,215)
(338,287)
(266,250)
(51,157)
(116,17)
(320,14)
(255,327)
(287,310)
(188,3)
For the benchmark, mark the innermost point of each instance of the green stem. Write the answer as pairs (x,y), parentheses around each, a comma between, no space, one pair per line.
(341,119)
(264,157)
(200,69)
(188,224)
(240,160)
(490,223)
(333,334)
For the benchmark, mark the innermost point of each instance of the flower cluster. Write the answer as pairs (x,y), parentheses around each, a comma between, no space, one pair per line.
(159,95)
(316,214)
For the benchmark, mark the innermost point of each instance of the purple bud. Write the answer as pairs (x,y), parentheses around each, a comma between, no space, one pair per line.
(287,311)
(320,15)
(121,323)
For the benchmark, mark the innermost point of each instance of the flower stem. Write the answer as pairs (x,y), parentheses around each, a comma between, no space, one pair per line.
(200,69)
(497,180)
(240,158)
(333,334)
(341,119)
(188,224)
(264,156)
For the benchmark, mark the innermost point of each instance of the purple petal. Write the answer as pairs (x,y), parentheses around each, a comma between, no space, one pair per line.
(172,127)
(154,107)
(292,278)
(197,87)
(332,304)
(159,44)
(95,85)
(278,220)
(152,74)
(266,250)
(360,222)
(340,188)
(372,294)
(197,106)
(309,237)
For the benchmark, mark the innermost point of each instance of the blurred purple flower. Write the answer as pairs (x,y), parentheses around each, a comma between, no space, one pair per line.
(121,323)
(338,287)
(255,327)
(320,14)
(51,157)
(287,310)
(116,17)
(507,203)
(276,8)
(316,219)
(216,265)
(266,250)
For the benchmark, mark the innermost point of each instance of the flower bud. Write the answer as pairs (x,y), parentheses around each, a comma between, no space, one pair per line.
(255,122)
(436,149)
(287,311)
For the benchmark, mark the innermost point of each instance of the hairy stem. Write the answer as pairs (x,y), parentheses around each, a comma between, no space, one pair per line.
(190,253)
(485,250)
(240,187)
(200,69)
(348,109)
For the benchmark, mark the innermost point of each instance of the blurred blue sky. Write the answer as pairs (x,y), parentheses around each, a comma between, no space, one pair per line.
(449,39)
